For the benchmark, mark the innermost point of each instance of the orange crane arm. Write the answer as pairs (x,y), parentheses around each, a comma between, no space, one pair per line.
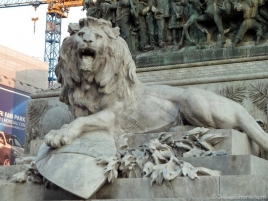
(61,7)
(58,6)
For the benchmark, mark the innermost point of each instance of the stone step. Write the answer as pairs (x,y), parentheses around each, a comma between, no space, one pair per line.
(232,164)
(241,187)
(21,192)
(183,187)
(236,143)
(28,191)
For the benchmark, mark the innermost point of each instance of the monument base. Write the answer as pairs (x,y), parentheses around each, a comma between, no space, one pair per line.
(244,177)
(235,187)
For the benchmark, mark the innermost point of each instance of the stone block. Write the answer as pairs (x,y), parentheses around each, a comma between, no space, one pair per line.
(59,194)
(29,191)
(182,187)
(21,192)
(232,165)
(241,187)
(34,146)
(246,186)
(236,143)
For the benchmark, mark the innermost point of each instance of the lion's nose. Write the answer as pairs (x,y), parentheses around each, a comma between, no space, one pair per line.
(88,37)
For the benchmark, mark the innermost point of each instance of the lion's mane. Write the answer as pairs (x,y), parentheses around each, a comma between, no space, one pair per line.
(115,73)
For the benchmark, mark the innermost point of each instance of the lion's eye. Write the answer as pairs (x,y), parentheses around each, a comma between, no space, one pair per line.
(81,34)
(98,35)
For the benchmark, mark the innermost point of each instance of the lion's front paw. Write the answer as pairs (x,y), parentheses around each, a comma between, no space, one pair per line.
(58,138)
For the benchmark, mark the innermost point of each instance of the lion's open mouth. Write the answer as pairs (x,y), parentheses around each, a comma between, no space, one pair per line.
(87,56)
(88,53)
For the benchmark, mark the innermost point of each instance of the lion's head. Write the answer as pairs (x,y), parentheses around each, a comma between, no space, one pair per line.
(94,61)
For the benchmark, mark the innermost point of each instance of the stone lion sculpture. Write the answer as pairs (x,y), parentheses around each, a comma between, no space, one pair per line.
(100,85)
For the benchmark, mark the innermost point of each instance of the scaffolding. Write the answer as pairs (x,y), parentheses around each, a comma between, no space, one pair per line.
(52,44)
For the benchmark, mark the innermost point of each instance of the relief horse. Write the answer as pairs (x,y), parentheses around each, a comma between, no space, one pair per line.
(214,11)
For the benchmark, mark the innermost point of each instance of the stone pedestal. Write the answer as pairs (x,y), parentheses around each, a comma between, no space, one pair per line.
(244,177)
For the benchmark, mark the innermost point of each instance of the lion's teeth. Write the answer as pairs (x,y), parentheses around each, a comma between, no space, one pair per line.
(87,57)
(87,60)
(86,63)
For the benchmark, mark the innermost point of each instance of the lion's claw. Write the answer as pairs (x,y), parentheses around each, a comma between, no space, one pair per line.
(64,140)
(58,138)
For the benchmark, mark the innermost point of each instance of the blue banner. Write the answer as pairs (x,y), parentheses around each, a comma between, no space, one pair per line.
(12,124)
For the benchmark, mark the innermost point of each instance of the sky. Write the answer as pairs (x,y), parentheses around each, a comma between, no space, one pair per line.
(17,28)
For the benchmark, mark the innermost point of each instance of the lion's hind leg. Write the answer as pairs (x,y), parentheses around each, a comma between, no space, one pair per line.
(253,129)
(205,108)
(198,108)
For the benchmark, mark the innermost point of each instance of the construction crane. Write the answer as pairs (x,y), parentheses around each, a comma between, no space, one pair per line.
(57,9)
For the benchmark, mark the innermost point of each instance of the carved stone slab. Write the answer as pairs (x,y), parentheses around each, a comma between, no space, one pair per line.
(74,167)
